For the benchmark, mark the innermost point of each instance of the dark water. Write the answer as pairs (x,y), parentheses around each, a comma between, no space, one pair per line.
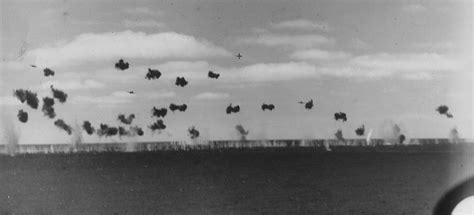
(230,182)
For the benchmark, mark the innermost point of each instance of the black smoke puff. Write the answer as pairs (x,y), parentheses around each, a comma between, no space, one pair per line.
(122,65)
(59,94)
(153,74)
(268,107)
(181,108)
(126,120)
(213,75)
(161,112)
(232,109)
(180,81)
(158,125)
(87,126)
(48,72)
(28,96)
(48,108)
(62,125)
(193,133)
(360,131)
(340,116)
(22,116)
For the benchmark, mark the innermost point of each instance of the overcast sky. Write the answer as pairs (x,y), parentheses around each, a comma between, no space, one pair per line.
(377,61)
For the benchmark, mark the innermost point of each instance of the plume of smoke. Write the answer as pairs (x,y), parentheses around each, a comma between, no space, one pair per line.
(242,132)
(59,94)
(22,116)
(135,130)
(153,74)
(87,126)
(181,108)
(62,125)
(339,136)
(443,110)
(232,109)
(161,112)
(213,75)
(48,72)
(269,107)
(340,116)
(77,136)
(158,125)
(180,81)
(126,120)
(106,130)
(454,136)
(392,133)
(48,108)
(28,96)
(360,131)
(122,65)
(369,137)
(10,134)
(123,132)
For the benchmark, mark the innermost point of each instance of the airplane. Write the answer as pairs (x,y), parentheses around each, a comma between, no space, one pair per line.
(239,56)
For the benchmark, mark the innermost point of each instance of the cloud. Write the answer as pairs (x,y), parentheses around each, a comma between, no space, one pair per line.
(147,23)
(91,47)
(211,96)
(9,101)
(114,99)
(301,24)
(142,11)
(298,41)
(317,54)
(414,8)
(73,84)
(162,94)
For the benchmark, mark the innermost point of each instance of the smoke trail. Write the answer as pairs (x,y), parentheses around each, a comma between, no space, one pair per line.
(87,126)
(28,96)
(242,132)
(454,136)
(47,108)
(106,130)
(158,125)
(443,110)
(10,134)
(360,131)
(153,74)
(62,125)
(22,116)
(339,136)
(59,94)
(48,72)
(126,120)
(193,133)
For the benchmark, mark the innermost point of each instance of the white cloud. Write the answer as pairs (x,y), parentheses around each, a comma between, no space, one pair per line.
(317,54)
(211,96)
(301,24)
(92,47)
(114,99)
(73,84)
(147,23)
(162,94)
(142,11)
(414,8)
(9,101)
(298,41)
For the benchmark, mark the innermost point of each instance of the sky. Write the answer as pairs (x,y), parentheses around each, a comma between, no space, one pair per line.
(377,61)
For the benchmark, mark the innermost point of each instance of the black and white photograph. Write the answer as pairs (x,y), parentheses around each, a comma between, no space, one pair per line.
(236,107)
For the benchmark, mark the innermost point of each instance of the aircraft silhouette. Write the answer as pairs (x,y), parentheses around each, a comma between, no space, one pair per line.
(239,55)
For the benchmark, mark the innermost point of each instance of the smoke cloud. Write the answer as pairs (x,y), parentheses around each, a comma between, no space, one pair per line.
(360,131)
(158,125)
(87,126)
(213,75)
(153,74)
(123,132)
(307,105)
(339,136)
(269,107)
(135,130)
(122,65)
(126,120)
(242,132)
(59,94)
(340,116)
(181,108)
(392,133)
(180,81)
(454,136)
(159,112)
(48,109)
(22,116)
(232,109)
(28,96)
(106,130)
(48,72)
(443,110)
(193,133)
(62,125)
